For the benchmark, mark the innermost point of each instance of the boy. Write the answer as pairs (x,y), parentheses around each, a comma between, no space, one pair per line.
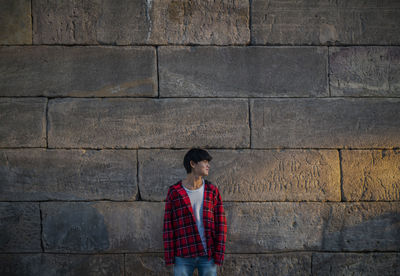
(195,228)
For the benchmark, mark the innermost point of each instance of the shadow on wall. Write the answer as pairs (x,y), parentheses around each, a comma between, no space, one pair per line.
(76,229)
(82,227)
(379,233)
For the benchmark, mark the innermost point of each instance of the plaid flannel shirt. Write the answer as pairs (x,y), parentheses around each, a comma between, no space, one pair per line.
(180,233)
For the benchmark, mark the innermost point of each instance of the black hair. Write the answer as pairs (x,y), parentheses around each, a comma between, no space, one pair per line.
(196,155)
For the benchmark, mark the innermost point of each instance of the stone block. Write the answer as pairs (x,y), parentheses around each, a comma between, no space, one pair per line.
(39,174)
(325,22)
(169,167)
(146,265)
(279,226)
(366,226)
(82,22)
(102,227)
(364,71)
(371,175)
(367,264)
(20,264)
(325,123)
(221,22)
(270,175)
(61,264)
(19,227)
(23,122)
(15,22)
(141,22)
(78,71)
(133,123)
(267,264)
(284,226)
(243,71)
(249,175)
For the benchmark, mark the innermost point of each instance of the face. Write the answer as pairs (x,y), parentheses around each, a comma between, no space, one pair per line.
(200,168)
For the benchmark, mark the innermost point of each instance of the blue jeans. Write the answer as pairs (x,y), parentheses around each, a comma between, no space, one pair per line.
(186,266)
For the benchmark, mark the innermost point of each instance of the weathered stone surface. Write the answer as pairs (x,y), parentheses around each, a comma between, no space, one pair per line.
(132,123)
(373,226)
(19,227)
(326,123)
(221,22)
(356,264)
(146,265)
(265,227)
(325,22)
(78,22)
(22,122)
(169,167)
(364,71)
(267,264)
(15,22)
(141,22)
(371,175)
(61,264)
(291,175)
(249,175)
(102,226)
(234,264)
(39,174)
(78,71)
(242,71)
(20,264)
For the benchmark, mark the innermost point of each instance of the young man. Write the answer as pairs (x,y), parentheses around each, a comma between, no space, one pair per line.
(195,228)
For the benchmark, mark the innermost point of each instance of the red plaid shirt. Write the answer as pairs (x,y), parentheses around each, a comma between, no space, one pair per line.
(180,234)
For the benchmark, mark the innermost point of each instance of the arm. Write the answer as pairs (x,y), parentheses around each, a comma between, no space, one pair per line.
(168,231)
(220,230)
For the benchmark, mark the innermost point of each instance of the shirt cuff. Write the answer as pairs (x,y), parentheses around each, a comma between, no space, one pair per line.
(169,262)
(218,259)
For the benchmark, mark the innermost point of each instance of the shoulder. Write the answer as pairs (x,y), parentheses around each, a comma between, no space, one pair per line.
(175,186)
(211,187)
(213,192)
(173,189)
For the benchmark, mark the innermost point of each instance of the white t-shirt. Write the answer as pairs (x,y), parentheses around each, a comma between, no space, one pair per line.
(196,200)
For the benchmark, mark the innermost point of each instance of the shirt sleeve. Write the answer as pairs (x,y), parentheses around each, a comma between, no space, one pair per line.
(168,231)
(220,230)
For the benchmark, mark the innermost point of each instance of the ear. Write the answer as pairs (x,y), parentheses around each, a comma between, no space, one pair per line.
(192,163)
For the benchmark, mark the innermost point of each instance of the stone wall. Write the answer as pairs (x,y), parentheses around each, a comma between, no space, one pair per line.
(297,101)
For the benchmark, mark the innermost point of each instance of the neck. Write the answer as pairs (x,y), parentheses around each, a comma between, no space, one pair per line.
(192,182)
